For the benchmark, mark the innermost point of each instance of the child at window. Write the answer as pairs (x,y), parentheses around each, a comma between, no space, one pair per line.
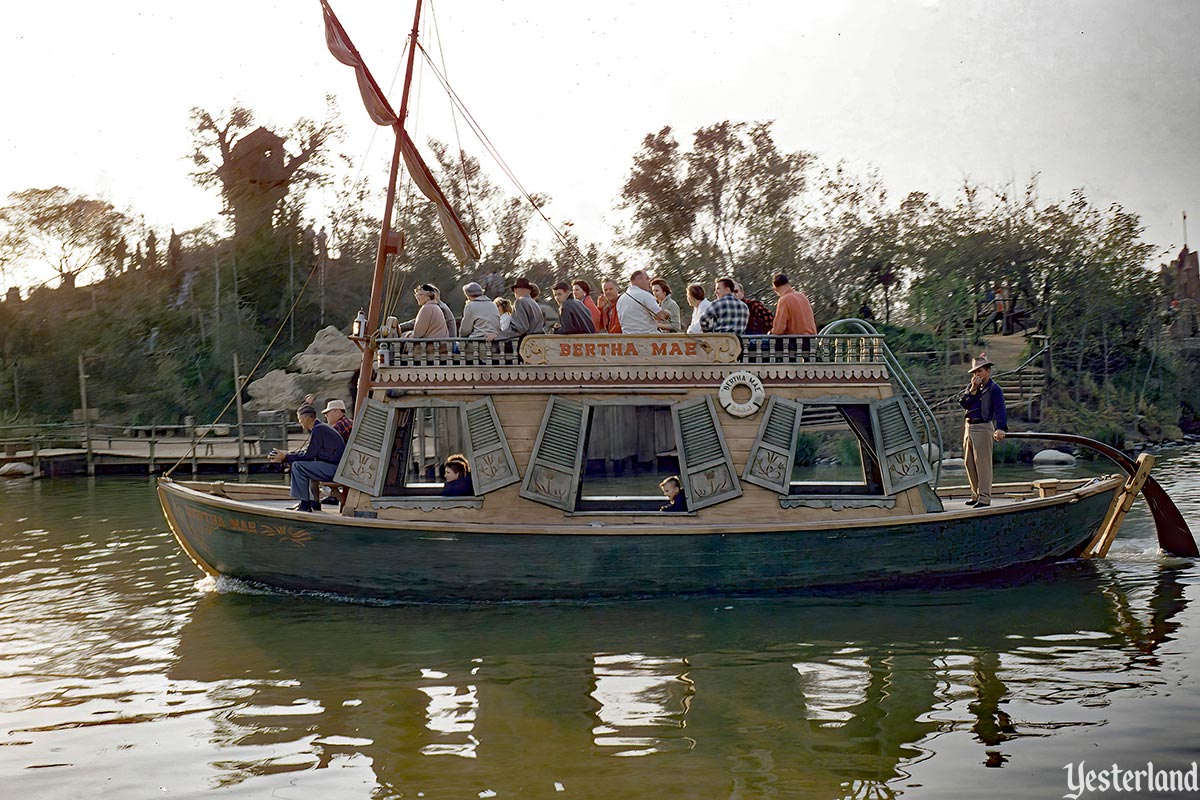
(672,489)
(458,477)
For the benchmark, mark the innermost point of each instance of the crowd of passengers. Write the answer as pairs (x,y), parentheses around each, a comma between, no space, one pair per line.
(645,306)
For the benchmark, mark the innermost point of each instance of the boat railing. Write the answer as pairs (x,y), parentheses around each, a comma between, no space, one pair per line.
(931,431)
(755,349)
(824,349)
(408,352)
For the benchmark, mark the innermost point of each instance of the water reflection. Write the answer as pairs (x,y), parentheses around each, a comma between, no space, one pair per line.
(835,695)
(638,696)
(114,671)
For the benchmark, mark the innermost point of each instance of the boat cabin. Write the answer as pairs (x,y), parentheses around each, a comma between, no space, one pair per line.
(584,428)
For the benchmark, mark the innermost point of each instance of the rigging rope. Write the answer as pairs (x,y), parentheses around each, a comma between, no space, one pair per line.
(576,254)
(462,156)
(243,383)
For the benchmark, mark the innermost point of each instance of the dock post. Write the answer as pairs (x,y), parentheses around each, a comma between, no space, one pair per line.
(37,462)
(195,444)
(152,443)
(87,428)
(241,436)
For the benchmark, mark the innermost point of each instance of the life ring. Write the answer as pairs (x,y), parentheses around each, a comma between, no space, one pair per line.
(751,406)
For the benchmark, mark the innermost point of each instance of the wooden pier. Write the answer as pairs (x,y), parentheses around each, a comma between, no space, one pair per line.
(76,449)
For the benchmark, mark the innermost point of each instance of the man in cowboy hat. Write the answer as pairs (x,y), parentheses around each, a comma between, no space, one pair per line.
(527,315)
(986,422)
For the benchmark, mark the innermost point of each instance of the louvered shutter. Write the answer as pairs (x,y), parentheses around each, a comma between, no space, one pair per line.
(492,465)
(902,461)
(552,476)
(704,464)
(364,463)
(774,451)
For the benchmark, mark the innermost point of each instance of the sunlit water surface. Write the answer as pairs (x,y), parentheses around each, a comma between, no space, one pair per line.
(124,676)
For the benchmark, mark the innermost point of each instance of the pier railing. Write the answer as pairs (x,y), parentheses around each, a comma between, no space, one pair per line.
(152,446)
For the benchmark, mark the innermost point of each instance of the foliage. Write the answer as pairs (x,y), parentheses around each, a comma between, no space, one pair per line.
(807,449)
(72,234)
(727,206)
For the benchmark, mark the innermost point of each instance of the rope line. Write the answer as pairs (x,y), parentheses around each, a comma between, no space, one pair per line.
(241,384)
(576,254)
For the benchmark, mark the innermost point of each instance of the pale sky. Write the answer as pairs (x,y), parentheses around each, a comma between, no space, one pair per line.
(1098,94)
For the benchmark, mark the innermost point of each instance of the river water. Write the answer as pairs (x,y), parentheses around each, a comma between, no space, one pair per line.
(122,675)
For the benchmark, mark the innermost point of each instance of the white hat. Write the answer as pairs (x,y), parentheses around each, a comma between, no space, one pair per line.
(338,404)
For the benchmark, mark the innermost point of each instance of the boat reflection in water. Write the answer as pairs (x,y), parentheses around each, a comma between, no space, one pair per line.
(832,697)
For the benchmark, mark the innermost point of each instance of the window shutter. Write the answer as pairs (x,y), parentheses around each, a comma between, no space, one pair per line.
(364,464)
(774,451)
(553,473)
(901,459)
(492,465)
(704,465)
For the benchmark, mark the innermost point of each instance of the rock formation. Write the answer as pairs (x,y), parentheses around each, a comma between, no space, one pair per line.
(326,369)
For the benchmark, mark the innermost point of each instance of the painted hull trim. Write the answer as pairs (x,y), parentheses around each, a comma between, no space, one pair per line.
(401,561)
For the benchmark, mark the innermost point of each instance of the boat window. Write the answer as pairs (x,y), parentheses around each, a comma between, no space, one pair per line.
(628,451)
(835,452)
(815,449)
(611,455)
(425,438)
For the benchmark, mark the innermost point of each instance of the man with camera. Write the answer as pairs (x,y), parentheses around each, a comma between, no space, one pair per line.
(986,422)
(318,461)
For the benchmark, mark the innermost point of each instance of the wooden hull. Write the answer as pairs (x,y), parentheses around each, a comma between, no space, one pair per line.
(433,562)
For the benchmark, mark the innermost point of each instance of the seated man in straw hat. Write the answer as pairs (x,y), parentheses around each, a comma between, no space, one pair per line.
(986,422)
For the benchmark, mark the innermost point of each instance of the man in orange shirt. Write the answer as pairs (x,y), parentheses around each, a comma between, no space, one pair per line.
(609,320)
(794,314)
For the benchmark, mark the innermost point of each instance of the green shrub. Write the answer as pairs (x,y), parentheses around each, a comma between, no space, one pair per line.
(846,450)
(1007,452)
(807,446)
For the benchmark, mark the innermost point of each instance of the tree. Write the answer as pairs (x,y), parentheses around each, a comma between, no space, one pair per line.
(727,206)
(252,166)
(70,233)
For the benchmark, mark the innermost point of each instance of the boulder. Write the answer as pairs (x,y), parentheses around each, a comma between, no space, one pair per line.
(16,469)
(330,352)
(1053,457)
(325,369)
(953,463)
(932,453)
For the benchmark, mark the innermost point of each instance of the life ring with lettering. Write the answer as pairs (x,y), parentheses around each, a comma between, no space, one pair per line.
(747,407)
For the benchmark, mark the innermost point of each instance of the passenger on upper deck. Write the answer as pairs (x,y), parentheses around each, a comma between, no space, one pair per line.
(549,309)
(794,314)
(609,320)
(504,306)
(481,318)
(527,315)
(447,314)
(699,304)
(761,318)
(582,291)
(573,315)
(638,310)
(429,323)
(727,314)
(662,293)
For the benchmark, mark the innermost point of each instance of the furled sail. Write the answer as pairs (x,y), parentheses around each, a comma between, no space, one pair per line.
(380,111)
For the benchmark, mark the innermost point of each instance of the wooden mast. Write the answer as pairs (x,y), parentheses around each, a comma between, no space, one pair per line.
(365,375)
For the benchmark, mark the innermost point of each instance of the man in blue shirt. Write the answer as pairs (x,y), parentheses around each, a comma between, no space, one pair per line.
(318,461)
(986,422)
